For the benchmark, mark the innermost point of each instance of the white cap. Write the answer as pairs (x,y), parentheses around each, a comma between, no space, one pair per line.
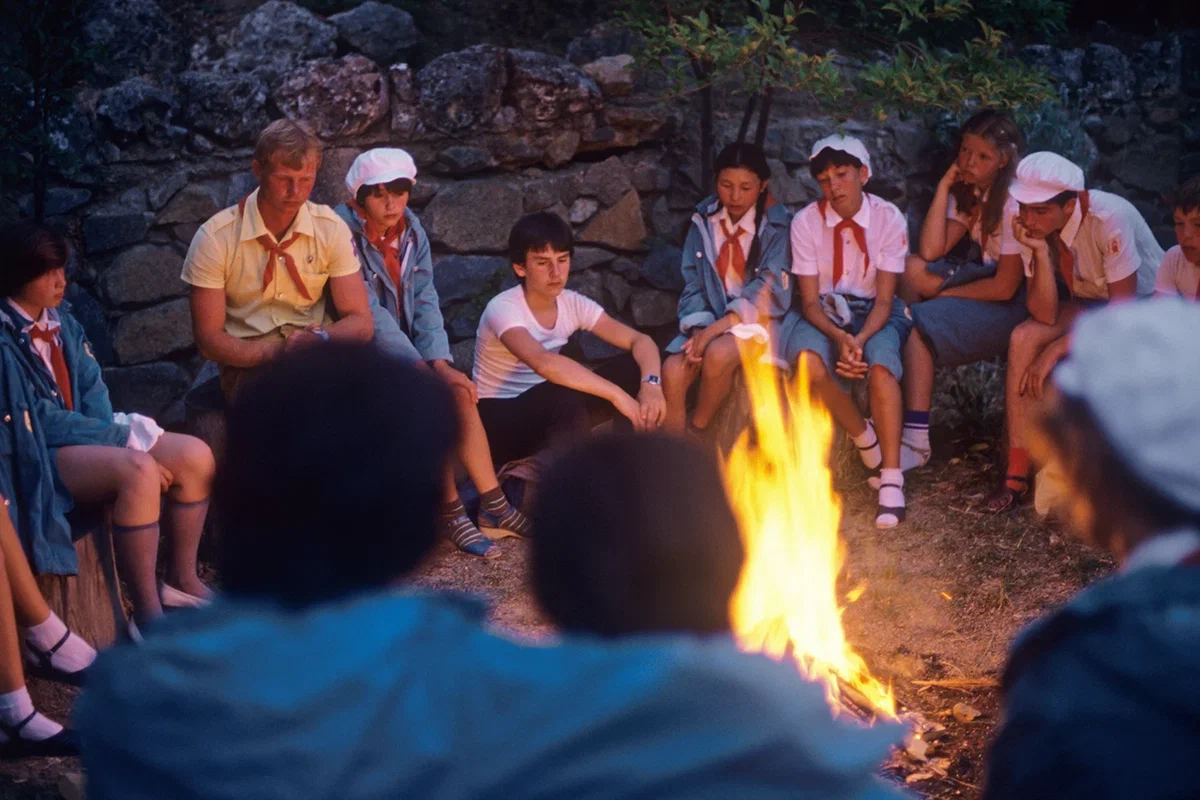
(381,165)
(1136,365)
(846,144)
(1041,176)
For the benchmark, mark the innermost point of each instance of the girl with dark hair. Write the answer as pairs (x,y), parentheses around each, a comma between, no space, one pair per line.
(65,446)
(735,263)
(970,305)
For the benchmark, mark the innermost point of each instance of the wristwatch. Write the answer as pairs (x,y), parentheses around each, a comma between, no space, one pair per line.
(653,380)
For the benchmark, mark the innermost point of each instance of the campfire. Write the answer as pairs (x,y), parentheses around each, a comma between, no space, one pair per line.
(787,601)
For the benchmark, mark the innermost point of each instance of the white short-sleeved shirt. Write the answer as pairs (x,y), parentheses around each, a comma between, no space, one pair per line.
(1001,242)
(500,374)
(1111,243)
(1178,276)
(733,284)
(887,242)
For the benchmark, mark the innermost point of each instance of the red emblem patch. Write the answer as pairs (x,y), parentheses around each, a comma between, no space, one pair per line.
(1114,247)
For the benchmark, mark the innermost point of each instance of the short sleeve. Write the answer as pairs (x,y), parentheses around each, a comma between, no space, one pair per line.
(953,213)
(893,246)
(1116,239)
(1166,284)
(343,260)
(804,245)
(206,261)
(1009,246)
(501,315)
(585,312)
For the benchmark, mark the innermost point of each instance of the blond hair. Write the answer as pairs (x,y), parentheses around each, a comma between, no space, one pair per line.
(288,139)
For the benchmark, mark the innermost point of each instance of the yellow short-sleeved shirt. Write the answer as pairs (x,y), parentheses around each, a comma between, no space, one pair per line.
(225,254)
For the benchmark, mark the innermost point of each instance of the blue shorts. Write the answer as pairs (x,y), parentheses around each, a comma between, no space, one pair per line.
(883,349)
(960,331)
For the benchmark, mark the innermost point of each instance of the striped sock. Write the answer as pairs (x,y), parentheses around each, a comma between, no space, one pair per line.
(456,526)
(501,518)
(914,440)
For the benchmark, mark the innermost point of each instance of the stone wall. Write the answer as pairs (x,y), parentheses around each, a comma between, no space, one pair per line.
(164,141)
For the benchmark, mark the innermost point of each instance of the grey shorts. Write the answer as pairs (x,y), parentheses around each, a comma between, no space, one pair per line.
(960,331)
(883,349)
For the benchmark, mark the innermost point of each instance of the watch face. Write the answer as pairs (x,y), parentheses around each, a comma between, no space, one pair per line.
(653,380)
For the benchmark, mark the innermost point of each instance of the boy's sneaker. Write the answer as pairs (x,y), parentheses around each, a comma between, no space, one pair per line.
(507,522)
(466,537)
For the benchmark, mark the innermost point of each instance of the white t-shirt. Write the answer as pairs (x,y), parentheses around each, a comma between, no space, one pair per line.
(1111,243)
(1001,242)
(500,374)
(886,232)
(1178,276)
(733,284)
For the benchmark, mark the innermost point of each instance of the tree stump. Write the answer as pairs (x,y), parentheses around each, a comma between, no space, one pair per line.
(86,602)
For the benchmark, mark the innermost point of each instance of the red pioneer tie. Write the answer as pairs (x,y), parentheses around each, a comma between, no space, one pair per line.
(731,255)
(860,236)
(383,243)
(276,251)
(59,364)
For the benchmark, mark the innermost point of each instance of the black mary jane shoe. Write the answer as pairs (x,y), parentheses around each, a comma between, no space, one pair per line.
(41,665)
(64,743)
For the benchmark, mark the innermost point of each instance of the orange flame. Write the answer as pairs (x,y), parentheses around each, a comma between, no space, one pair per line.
(781,489)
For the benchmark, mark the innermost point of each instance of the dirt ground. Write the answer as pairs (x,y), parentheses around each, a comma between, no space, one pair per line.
(945,594)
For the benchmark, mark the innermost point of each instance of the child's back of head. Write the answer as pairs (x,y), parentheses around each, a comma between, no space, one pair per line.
(634,534)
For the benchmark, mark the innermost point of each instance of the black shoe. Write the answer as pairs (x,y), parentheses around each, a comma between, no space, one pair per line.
(63,743)
(41,665)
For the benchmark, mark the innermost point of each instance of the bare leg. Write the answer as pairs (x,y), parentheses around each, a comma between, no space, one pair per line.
(887,412)
(191,464)
(918,374)
(678,376)
(473,449)
(12,677)
(721,360)
(840,404)
(918,282)
(1027,341)
(131,482)
(27,600)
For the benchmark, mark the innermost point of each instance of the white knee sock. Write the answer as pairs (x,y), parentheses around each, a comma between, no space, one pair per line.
(891,495)
(868,446)
(15,707)
(74,655)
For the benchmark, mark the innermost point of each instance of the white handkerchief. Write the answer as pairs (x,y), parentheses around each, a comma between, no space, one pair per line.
(143,431)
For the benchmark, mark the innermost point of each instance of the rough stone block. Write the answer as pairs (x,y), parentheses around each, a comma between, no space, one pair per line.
(154,332)
(144,274)
(620,227)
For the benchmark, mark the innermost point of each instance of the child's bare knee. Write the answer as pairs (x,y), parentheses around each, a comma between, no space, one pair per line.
(815,366)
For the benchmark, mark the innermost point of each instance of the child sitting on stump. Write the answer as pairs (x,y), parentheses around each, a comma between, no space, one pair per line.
(848,249)
(394,252)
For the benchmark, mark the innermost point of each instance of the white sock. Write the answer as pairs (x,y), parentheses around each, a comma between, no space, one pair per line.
(15,707)
(868,446)
(914,446)
(891,495)
(74,655)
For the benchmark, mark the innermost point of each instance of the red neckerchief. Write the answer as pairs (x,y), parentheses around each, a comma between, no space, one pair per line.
(860,236)
(275,251)
(1066,259)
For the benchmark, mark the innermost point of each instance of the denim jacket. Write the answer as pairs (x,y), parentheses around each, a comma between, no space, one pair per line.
(417,298)
(703,301)
(36,423)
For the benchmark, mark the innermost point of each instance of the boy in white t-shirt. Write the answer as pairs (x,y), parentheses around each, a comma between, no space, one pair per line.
(1179,273)
(530,394)
(848,250)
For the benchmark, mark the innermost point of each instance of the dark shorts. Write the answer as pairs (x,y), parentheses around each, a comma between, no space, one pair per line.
(960,331)
(883,349)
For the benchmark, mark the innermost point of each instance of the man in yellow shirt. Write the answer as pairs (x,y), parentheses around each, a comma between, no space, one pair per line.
(261,271)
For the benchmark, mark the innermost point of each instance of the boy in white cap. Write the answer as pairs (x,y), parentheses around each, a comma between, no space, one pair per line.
(1179,273)
(394,253)
(1100,697)
(848,249)
(1081,248)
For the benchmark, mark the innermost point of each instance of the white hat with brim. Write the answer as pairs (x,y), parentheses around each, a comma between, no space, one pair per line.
(1136,365)
(845,144)
(1041,176)
(381,165)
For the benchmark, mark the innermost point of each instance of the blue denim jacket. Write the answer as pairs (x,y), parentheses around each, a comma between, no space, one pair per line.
(417,299)
(36,423)
(703,301)
(399,695)
(1100,695)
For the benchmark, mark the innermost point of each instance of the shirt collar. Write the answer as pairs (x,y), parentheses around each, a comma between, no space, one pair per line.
(48,319)
(1071,229)
(862,217)
(1163,550)
(253,225)
(746,223)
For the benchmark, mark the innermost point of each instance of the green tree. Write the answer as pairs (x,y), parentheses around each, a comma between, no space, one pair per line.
(43,58)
